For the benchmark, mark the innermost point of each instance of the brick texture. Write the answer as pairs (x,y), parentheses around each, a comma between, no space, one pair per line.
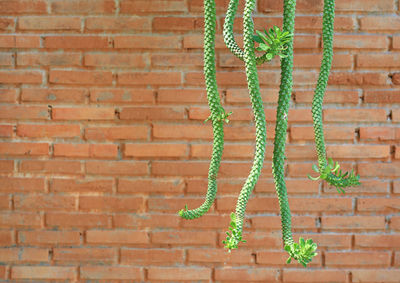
(102,141)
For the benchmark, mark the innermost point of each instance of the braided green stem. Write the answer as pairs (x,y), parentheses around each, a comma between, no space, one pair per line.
(258,108)
(218,115)
(229,38)
(327,171)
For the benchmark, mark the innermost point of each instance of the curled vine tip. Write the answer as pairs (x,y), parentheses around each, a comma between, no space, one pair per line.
(335,177)
(234,237)
(273,42)
(303,251)
(221,116)
(182,212)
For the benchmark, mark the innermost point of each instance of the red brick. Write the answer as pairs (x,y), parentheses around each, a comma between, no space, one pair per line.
(8,95)
(377,241)
(202,238)
(147,42)
(377,133)
(378,60)
(101,255)
(83,7)
(86,150)
(127,168)
(7,24)
(278,258)
(353,223)
(242,95)
(119,24)
(321,204)
(396,42)
(330,97)
(379,169)
(24,255)
(382,96)
(6,131)
(45,202)
(48,131)
(172,204)
(337,78)
(182,131)
(358,151)
(44,23)
(306,133)
(21,77)
(367,187)
(5,202)
(396,115)
(378,204)
(219,256)
(139,132)
(50,166)
(24,112)
(274,223)
(342,23)
(373,23)
(351,41)
(20,220)
(155,150)
(48,59)
(80,77)
(166,60)
(157,6)
(152,220)
(151,256)
(19,7)
(77,42)
(111,203)
(181,96)
(115,60)
(277,6)
(152,78)
(77,220)
(24,149)
(375,275)
(365,5)
(247,275)
(111,272)
(80,185)
(48,237)
(7,59)
(6,238)
(175,23)
(125,96)
(192,168)
(54,95)
(152,113)
(355,115)
(43,272)
(119,237)
(165,186)
(6,166)
(317,276)
(83,113)
(21,185)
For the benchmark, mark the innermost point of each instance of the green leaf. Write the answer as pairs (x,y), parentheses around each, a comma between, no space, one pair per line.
(257,39)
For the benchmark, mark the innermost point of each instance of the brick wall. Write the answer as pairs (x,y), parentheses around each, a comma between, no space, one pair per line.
(103,141)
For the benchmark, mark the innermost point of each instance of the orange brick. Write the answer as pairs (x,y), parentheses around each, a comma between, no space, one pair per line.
(365,5)
(379,169)
(45,202)
(306,133)
(377,241)
(192,168)
(48,59)
(277,6)
(83,113)
(152,78)
(54,95)
(347,41)
(182,131)
(115,60)
(378,60)
(165,186)
(378,204)
(274,223)
(337,78)
(201,238)
(21,185)
(321,204)
(83,7)
(24,255)
(80,185)
(219,256)
(44,23)
(246,275)
(317,276)
(175,24)
(86,150)
(124,237)
(101,255)
(112,272)
(396,42)
(136,221)
(375,275)
(21,77)
(330,97)
(139,132)
(208,221)
(382,96)
(48,131)
(48,237)
(155,150)
(43,272)
(77,42)
(150,257)
(111,203)
(8,95)
(12,7)
(77,220)
(50,166)
(6,238)
(152,113)
(166,60)
(181,96)
(136,168)
(353,223)
(5,202)
(125,96)
(172,204)
(24,112)
(358,151)
(7,59)
(147,42)
(20,220)
(181,274)
(157,6)
(24,149)
(7,25)
(6,131)
(278,258)
(6,166)
(355,115)
(80,77)
(119,24)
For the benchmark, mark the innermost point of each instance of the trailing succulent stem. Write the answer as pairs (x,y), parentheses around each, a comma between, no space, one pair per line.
(218,115)
(259,116)
(328,170)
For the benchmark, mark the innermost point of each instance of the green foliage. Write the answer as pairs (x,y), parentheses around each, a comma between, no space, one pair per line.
(234,237)
(303,251)
(273,43)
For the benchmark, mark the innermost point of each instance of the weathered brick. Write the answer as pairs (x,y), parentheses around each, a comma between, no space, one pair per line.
(83,7)
(51,23)
(43,272)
